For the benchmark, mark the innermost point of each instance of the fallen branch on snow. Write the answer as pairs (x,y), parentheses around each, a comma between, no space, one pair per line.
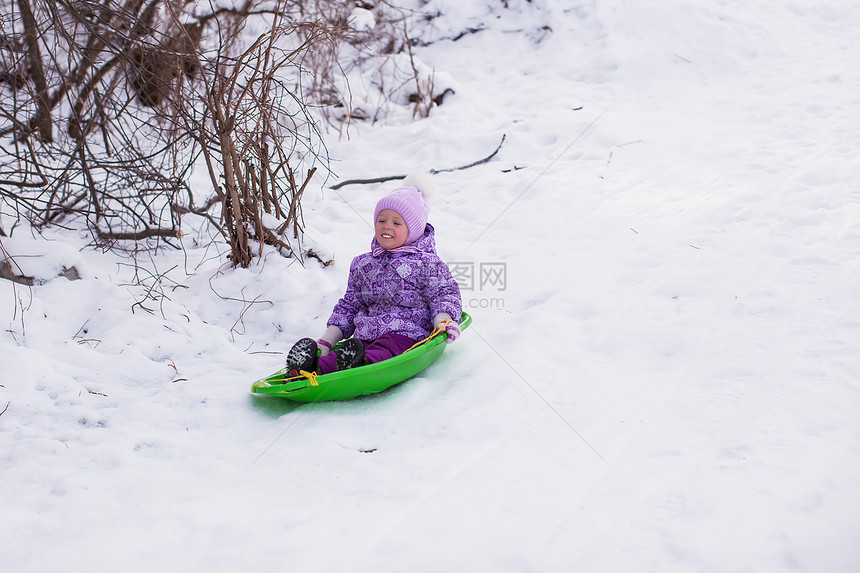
(434,171)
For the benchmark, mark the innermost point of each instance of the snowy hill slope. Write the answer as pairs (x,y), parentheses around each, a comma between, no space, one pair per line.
(663,370)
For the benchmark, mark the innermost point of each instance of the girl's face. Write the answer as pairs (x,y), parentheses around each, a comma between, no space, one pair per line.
(390,229)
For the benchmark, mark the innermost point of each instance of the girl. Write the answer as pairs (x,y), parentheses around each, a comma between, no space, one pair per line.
(395,295)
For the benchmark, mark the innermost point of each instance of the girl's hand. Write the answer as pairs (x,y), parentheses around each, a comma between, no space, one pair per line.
(452,329)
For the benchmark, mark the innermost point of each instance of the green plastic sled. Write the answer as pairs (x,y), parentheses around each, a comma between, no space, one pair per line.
(348,384)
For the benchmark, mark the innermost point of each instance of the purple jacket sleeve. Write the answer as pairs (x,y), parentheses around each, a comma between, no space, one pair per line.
(442,292)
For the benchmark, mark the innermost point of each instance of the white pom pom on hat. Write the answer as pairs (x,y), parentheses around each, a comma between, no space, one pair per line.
(411,202)
(423,180)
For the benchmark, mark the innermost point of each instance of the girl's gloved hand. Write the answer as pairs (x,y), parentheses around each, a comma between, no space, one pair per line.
(452,329)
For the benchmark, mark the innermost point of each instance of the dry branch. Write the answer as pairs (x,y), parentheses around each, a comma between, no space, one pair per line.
(139,235)
(397,177)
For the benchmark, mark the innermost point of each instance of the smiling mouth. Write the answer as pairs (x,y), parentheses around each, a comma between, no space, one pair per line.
(387,236)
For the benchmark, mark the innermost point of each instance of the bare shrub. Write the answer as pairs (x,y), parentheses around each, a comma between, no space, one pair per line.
(256,128)
(107,105)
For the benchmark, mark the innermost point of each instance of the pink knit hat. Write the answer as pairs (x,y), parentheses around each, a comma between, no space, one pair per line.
(411,204)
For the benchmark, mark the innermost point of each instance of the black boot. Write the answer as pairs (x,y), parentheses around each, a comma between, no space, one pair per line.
(302,356)
(350,354)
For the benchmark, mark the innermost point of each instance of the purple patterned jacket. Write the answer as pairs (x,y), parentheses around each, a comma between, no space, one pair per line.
(397,291)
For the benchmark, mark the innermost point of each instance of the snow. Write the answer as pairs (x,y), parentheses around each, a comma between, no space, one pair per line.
(361,19)
(666,380)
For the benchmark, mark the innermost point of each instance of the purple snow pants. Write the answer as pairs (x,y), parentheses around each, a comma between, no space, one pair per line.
(382,348)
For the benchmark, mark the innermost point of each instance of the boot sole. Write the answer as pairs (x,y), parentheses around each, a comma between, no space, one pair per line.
(350,354)
(303,355)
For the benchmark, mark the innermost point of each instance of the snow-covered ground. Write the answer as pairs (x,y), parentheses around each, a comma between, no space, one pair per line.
(663,373)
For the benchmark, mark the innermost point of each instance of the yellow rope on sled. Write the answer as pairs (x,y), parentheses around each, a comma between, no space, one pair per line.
(437,330)
(311,376)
